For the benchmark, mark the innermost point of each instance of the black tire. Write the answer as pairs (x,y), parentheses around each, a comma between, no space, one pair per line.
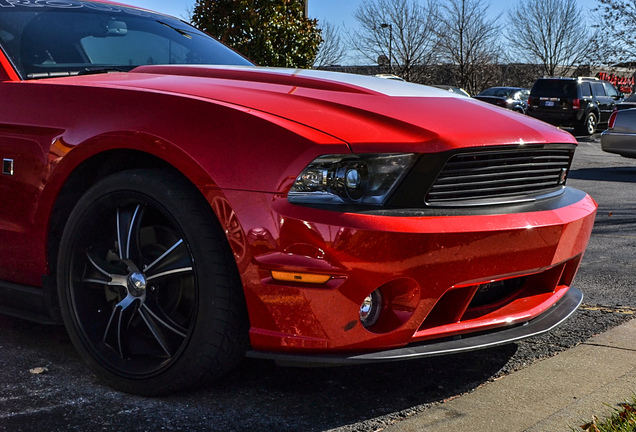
(148,286)
(588,125)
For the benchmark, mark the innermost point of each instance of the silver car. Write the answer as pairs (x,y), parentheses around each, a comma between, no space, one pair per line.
(620,136)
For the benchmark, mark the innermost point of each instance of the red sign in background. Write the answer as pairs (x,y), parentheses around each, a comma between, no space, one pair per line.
(623,84)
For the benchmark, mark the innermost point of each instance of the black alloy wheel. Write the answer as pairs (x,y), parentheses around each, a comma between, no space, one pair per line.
(148,285)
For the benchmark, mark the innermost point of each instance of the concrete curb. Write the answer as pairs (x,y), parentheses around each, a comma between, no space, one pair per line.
(557,394)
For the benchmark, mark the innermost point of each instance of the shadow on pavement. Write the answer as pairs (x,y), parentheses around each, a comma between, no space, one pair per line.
(257,396)
(587,138)
(609,174)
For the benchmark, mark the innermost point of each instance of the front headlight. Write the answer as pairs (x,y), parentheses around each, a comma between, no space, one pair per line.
(359,179)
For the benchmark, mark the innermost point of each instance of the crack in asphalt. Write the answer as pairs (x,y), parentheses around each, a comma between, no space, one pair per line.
(609,346)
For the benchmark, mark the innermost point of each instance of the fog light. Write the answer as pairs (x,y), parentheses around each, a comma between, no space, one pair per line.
(370,309)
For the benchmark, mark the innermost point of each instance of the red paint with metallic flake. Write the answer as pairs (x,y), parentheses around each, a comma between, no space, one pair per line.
(420,259)
(242,135)
(204,138)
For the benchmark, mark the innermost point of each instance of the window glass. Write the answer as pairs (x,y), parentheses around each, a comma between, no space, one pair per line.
(599,89)
(138,48)
(554,88)
(586,91)
(497,92)
(610,89)
(68,37)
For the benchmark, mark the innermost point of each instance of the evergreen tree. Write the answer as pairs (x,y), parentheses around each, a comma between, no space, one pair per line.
(268,32)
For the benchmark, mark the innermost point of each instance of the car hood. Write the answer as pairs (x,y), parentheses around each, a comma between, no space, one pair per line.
(366,112)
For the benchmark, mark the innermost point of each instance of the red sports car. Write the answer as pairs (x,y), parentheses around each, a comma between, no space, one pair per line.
(179,208)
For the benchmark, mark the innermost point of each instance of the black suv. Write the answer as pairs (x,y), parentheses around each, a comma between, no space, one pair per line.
(583,103)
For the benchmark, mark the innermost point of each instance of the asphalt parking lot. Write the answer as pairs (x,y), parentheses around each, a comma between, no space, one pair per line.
(46,388)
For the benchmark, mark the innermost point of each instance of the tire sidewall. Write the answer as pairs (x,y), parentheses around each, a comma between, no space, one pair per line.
(215,274)
(589,118)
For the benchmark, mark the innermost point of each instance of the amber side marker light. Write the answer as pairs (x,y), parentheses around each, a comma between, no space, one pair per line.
(300,277)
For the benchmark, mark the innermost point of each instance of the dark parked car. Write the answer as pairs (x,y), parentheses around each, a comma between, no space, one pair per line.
(513,98)
(620,136)
(582,103)
(627,103)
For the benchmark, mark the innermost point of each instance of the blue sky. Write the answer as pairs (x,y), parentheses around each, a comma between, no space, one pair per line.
(338,12)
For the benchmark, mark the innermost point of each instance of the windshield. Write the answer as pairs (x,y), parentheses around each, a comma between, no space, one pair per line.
(70,37)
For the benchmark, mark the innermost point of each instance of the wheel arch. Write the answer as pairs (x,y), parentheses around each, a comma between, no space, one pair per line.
(78,182)
(206,314)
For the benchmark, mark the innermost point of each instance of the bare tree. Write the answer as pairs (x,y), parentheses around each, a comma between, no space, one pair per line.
(468,40)
(553,33)
(400,31)
(617,42)
(331,51)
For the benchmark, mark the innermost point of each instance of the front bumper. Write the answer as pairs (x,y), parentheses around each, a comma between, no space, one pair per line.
(434,273)
(544,323)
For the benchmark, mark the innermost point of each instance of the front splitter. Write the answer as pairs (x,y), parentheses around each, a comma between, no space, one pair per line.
(545,322)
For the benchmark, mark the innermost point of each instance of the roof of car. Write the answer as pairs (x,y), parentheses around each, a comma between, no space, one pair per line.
(571,78)
(510,88)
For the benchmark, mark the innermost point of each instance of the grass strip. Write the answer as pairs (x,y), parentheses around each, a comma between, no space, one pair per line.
(622,420)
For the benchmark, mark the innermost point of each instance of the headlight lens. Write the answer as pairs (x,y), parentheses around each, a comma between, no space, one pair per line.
(360,179)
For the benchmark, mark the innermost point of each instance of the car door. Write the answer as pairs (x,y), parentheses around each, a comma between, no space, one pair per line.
(614,95)
(605,102)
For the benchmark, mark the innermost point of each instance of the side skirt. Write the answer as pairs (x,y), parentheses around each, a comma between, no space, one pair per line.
(26,302)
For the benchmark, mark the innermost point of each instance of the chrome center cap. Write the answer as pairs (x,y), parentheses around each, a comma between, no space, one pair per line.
(136,284)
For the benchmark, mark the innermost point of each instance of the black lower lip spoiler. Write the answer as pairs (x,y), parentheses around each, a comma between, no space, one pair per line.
(469,342)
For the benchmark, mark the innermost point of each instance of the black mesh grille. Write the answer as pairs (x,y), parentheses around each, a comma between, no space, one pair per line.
(500,176)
